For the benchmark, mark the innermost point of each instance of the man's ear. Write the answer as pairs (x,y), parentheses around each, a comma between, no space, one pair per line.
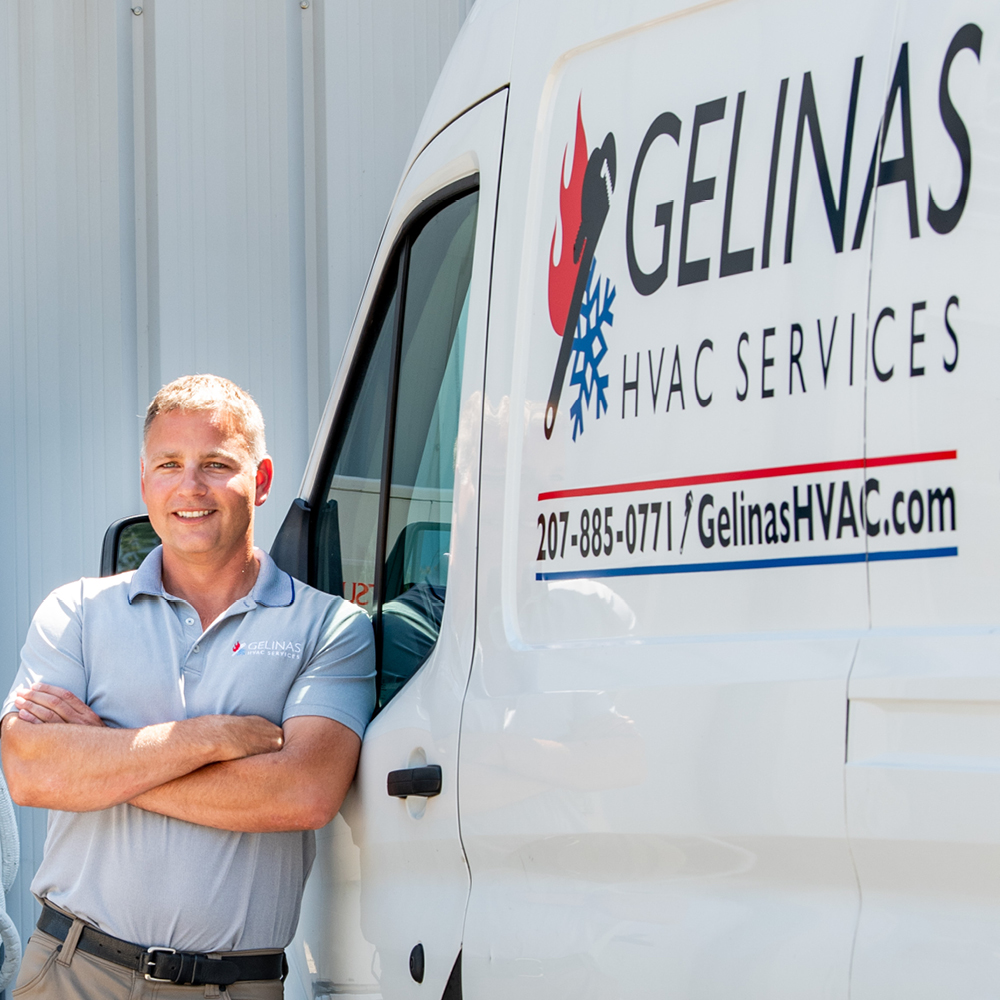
(142,479)
(265,477)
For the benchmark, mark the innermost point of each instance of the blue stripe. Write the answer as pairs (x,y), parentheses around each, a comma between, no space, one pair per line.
(718,567)
(913,554)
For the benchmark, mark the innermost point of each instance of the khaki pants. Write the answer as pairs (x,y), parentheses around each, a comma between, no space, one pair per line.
(47,973)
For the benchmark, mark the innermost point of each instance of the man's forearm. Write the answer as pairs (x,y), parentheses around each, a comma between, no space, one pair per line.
(248,796)
(299,788)
(82,768)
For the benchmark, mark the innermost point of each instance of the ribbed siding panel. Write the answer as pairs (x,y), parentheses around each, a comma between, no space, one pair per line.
(383,59)
(64,349)
(229,215)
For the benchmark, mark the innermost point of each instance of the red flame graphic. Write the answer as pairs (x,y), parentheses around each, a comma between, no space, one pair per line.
(562,276)
(236,647)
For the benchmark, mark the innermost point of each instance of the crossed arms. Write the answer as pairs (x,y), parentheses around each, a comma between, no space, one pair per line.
(231,772)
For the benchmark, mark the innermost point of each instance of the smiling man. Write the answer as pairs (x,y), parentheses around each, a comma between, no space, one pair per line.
(188,725)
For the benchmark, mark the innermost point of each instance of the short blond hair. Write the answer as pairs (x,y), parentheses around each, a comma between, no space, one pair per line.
(237,409)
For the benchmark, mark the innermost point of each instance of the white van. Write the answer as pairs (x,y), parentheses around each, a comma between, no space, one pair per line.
(666,455)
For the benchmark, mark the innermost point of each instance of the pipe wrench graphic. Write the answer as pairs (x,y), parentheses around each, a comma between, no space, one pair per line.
(688,503)
(598,184)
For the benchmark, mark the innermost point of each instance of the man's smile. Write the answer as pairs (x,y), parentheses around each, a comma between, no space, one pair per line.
(190,514)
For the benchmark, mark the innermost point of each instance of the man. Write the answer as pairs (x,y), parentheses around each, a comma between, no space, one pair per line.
(188,726)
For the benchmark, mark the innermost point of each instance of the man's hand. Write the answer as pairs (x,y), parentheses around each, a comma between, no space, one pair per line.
(47,703)
(245,735)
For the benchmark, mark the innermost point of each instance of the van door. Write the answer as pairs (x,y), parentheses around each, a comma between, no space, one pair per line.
(393,488)
(923,772)
(672,574)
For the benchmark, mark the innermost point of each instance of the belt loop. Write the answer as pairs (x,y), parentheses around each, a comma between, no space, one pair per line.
(68,949)
(212,991)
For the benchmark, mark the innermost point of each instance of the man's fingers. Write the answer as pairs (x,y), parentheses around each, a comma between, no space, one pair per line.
(50,689)
(84,714)
(248,735)
(59,704)
(33,712)
(48,705)
(51,694)
(40,697)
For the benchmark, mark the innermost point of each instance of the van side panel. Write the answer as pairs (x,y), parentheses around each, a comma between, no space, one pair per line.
(673,577)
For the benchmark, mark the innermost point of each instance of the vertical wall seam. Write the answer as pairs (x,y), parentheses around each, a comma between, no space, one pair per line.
(314,370)
(146,256)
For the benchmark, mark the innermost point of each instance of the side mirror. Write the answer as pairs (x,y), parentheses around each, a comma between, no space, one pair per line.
(290,549)
(126,543)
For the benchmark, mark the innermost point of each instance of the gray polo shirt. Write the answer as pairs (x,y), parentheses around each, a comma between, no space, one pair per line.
(138,656)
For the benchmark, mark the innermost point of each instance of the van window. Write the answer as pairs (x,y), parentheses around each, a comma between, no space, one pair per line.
(408,376)
(426,429)
(347,526)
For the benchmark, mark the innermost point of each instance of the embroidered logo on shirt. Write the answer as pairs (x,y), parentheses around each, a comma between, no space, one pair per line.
(268,647)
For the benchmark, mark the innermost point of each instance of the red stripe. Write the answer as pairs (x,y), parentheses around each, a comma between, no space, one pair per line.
(732,477)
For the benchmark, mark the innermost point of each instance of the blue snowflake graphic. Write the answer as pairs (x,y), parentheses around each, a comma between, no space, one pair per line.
(589,349)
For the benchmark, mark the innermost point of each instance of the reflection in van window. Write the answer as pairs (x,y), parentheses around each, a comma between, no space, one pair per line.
(135,542)
(435,317)
(347,525)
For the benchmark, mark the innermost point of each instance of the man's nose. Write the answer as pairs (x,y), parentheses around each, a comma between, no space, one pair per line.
(193,479)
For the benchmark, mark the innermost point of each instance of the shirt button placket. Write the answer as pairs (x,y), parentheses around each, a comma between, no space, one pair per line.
(196,648)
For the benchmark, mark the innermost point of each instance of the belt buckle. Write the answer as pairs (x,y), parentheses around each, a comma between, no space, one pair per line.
(151,962)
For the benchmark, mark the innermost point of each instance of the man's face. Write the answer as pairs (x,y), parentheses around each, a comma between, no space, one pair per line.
(200,485)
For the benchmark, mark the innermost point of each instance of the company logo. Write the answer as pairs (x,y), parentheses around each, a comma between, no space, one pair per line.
(579,308)
(268,647)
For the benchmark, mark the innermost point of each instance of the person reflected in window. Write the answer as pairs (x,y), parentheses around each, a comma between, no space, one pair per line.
(410,626)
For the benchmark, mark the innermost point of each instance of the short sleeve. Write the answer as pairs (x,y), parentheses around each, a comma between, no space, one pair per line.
(53,648)
(338,681)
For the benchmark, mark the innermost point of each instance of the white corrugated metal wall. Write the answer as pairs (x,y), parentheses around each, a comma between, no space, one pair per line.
(186,186)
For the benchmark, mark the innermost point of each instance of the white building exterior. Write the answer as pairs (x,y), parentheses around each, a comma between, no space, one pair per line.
(186,186)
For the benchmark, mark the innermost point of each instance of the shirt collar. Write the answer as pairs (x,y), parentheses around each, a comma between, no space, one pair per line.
(274,587)
(148,578)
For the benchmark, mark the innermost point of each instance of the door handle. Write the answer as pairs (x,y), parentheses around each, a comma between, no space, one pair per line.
(425,781)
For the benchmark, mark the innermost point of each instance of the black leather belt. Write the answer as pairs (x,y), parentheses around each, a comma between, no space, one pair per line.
(165,965)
